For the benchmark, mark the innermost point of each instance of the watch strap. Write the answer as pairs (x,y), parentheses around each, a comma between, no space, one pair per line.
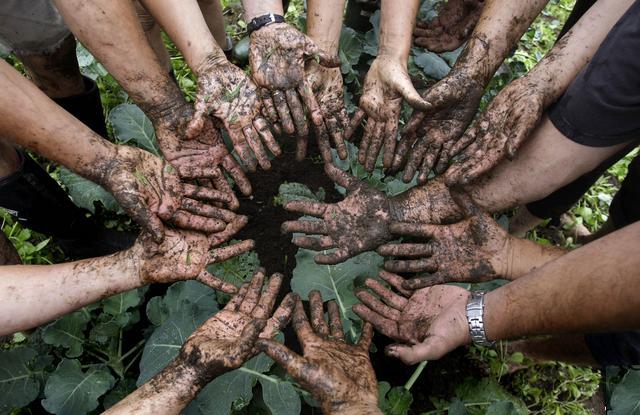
(264,20)
(475,318)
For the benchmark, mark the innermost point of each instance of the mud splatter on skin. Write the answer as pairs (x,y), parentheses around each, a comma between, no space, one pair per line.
(453,25)
(338,375)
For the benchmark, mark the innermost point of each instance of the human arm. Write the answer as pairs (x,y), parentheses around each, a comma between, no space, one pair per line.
(224,91)
(387,84)
(337,374)
(451,28)
(220,344)
(62,288)
(587,290)
(513,114)
(429,137)
(129,58)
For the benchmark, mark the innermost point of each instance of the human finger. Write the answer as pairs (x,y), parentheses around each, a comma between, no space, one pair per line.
(414,265)
(295,365)
(378,306)
(305,226)
(318,324)
(307,207)
(297,113)
(388,296)
(208,211)
(335,321)
(366,336)
(216,283)
(403,85)
(310,101)
(354,123)
(232,228)
(325,59)
(251,136)
(268,297)
(374,146)
(222,254)
(301,324)
(267,138)
(314,244)
(390,141)
(395,281)
(253,292)
(333,258)
(236,173)
(405,250)
(235,301)
(280,102)
(281,316)
(341,177)
(242,148)
(423,230)
(187,220)
(437,278)
(384,325)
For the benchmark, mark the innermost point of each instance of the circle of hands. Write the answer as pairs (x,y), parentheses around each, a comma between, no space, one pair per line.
(185,205)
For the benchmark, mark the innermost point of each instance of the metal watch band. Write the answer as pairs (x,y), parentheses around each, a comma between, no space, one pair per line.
(264,20)
(475,318)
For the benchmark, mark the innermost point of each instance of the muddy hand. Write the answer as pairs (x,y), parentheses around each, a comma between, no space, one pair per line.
(428,323)
(356,224)
(225,92)
(499,131)
(386,85)
(338,375)
(227,340)
(277,55)
(328,88)
(150,191)
(428,138)
(451,28)
(183,255)
(203,157)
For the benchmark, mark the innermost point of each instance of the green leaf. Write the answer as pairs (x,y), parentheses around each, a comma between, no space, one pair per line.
(123,388)
(68,332)
(350,49)
(431,64)
(280,396)
(71,391)
(335,282)
(489,391)
(119,303)
(193,292)
(371,38)
(131,124)
(237,269)
(456,407)
(86,193)
(231,390)
(625,399)
(397,401)
(165,342)
(18,384)
(108,326)
(297,191)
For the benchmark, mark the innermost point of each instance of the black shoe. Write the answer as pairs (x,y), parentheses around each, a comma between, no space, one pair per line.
(87,107)
(40,204)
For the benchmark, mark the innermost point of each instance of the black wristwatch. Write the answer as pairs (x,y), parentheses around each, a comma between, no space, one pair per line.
(264,20)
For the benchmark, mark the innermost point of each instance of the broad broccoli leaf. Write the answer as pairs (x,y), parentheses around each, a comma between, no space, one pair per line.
(489,391)
(18,383)
(131,124)
(297,191)
(431,64)
(194,292)
(397,401)
(86,193)
(625,399)
(71,391)
(280,396)
(68,332)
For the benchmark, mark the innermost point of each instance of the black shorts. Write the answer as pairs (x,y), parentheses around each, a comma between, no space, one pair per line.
(615,349)
(601,107)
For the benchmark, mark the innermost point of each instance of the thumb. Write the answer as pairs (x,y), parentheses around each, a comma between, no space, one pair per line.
(432,348)
(325,59)
(405,88)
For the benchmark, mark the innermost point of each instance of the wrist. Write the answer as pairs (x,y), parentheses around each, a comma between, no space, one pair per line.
(524,256)
(474,60)
(253,9)
(210,60)
(178,379)
(354,408)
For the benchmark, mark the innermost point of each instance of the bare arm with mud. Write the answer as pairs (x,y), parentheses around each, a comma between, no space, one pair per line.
(62,288)
(512,115)
(222,343)
(429,137)
(337,374)
(112,32)
(224,91)
(387,84)
(451,28)
(588,290)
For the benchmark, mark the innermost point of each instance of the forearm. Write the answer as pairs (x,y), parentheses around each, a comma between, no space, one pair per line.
(30,119)
(523,256)
(168,392)
(561,65)
(255,8)
(324,23)
(396,27)
(184,23)
(35,294)
(591,289)
(112,32)
(356,409)
(502,23)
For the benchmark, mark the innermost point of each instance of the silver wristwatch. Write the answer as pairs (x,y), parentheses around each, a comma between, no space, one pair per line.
(475,318)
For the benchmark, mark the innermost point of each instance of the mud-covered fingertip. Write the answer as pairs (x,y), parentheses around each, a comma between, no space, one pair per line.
(392,350)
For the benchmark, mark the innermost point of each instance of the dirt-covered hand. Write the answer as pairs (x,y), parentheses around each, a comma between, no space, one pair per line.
(451,28)
(428,323)
(183,255)
(277,54)
(203,157)
(227,340)
(473,250)
(227,93)
(150,191)
(428,138)
(499,131)
(357,224)
(328,88)
(338,375)
(386,85)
